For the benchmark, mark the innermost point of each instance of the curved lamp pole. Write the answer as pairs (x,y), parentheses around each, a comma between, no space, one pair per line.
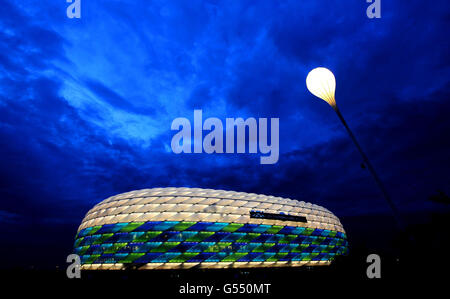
(322,83)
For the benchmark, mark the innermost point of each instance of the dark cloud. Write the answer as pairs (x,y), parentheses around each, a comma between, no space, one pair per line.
(110,96)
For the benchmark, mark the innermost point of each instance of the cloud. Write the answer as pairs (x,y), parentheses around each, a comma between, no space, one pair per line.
(110,96)
(8,217)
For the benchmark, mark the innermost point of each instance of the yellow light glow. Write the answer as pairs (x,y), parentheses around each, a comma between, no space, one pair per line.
(321,83)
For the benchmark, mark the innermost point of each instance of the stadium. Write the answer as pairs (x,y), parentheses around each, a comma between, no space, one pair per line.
(180,228)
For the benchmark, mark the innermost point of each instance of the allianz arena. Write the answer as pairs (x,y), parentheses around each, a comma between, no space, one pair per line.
(178,228)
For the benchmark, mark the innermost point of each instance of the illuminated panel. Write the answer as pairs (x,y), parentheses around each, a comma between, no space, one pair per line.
(183,228)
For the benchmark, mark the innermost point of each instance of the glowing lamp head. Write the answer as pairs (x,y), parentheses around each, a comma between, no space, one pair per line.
(321,83)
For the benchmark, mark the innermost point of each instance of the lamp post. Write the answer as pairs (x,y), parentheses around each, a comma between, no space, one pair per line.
(322,83)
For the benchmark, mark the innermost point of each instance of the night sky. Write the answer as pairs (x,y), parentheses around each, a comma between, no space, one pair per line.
(86,105)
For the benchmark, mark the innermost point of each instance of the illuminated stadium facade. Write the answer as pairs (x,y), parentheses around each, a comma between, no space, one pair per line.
(177,228)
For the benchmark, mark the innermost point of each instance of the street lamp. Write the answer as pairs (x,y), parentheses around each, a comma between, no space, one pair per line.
(322,83)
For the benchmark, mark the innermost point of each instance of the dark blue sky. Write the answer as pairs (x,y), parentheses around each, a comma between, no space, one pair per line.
(86,104)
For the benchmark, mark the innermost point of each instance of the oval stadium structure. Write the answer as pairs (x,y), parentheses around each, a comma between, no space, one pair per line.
(177,228)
